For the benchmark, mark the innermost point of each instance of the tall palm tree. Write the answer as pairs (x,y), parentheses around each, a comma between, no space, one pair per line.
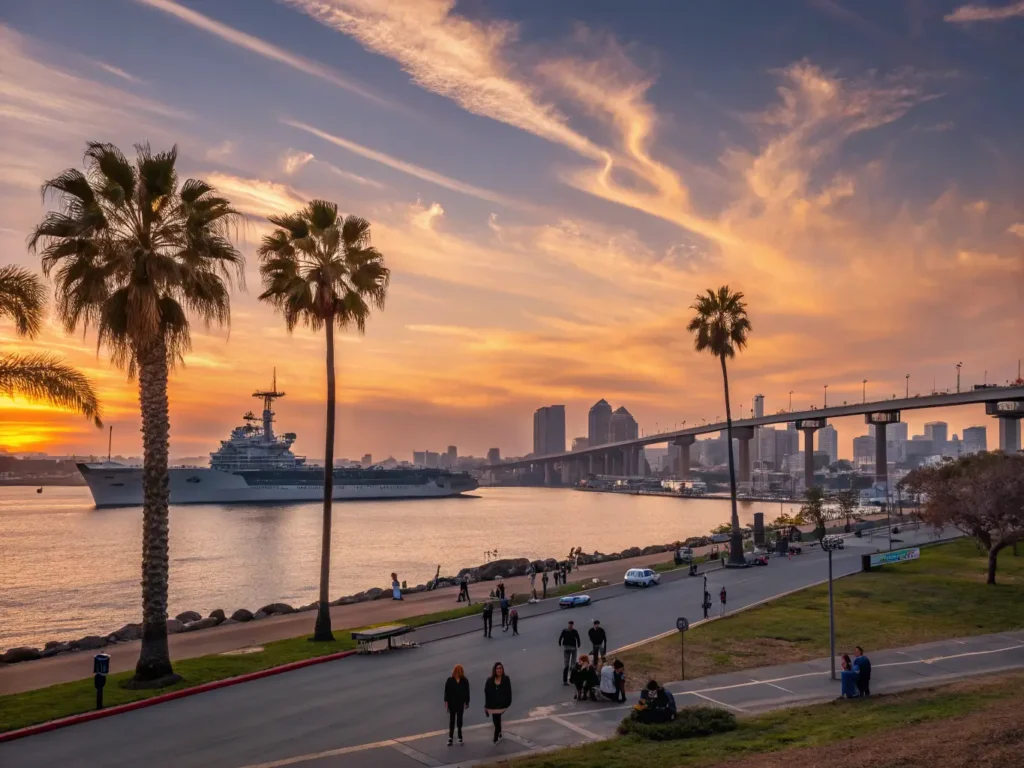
(135,255)
(319,269)
(721,327)
(41,376)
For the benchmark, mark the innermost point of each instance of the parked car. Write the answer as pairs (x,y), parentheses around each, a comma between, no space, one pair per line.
(757,557)
(835,541)
(795,549)
(571,601)
(641,577)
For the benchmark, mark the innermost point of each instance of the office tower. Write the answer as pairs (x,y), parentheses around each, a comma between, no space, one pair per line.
(758,406)
(419,458)
(599,423)
(453,455)
(623,426)
(579,443)
(938,433)
(549,430)
(828,442)
(863,450)
(975,440)
(494,456)
(367,460)
(431,459)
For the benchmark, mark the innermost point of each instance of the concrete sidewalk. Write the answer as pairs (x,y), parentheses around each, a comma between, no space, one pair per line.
(751,691)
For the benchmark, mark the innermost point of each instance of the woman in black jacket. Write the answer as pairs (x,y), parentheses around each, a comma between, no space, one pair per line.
(456,700)
(497,697)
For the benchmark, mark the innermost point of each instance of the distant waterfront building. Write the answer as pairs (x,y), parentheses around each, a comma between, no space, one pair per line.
(419,458)
(431,459)
(367,460)
(755,444)
(758,406)
(579,443)
(863,450)
(938,433)
(494,456)
(599,423)
(451,456)
(549,430)
(623,426)
(828,443)
(975,440)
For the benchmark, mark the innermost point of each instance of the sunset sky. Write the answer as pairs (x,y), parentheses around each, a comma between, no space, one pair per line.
(551,184)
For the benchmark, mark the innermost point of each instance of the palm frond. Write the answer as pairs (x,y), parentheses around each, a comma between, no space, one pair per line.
(49,379)
(720,324)
(22,298)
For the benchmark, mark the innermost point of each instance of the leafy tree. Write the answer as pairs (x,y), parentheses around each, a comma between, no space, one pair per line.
(721,327)
(135,255)
(843,465)
(816,509)
(41,376)
(847,500)
(319,269)
(980,495)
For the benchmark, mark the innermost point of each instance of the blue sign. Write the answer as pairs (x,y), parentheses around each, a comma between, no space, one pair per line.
(895,556)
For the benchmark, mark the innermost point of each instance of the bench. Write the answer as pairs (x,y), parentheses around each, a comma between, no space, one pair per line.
(367,637)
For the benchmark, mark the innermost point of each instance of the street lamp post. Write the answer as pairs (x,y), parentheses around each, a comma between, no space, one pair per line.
(958,366)
(908,385)
(828,545)
(791,401)
(826,395)
(864,391)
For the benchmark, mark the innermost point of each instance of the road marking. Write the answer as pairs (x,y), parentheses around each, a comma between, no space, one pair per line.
(580,730)
(416,755)
(319,755)
(716,701)
(520,740)
(773,685)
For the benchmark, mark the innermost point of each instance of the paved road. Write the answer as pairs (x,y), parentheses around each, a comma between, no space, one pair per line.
(366,699)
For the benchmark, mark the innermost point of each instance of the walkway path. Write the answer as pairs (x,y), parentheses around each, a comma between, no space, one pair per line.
(348,703)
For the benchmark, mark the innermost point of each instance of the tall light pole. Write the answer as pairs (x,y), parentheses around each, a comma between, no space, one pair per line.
(958,366)
(864,393)
(826,395)
(791,401)
(829,544)
(908,385)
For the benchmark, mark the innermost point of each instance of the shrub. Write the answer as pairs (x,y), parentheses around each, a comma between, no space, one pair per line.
(689,723)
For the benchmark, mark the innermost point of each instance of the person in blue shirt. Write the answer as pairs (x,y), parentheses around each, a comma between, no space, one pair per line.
(505,604)
(862,666)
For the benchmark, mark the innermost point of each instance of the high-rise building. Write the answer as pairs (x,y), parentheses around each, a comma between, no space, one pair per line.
(431,459)
(599,423)
(494,456)
(765,437)
(549,430)
(367,460)
(758,406)
(863,450)
(453,455)
(975,440)
(623,426)
(938,433)
(828,442)
(757,410)
(419,458)
(579,443)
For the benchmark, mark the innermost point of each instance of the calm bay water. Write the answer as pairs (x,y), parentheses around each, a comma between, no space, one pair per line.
(68,569)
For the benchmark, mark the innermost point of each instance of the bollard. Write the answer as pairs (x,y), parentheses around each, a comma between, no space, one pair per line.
(100,670)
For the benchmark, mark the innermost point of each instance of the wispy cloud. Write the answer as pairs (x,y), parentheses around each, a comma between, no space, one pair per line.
(263,48)
(117,71)
(222,151)
(257,197)
(974,12)
(405,167)
(1016,229)
(295,160)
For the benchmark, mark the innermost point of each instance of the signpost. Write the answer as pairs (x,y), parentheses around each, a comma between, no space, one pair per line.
(682,625)
(893,557)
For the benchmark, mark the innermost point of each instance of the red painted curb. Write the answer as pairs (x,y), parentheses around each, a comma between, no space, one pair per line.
(96,714)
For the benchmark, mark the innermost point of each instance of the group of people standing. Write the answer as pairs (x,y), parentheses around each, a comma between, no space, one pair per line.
(497,699)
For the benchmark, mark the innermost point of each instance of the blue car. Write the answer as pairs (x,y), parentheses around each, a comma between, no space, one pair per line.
(571,601)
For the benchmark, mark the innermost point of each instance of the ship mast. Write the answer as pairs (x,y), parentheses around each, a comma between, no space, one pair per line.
(268,398)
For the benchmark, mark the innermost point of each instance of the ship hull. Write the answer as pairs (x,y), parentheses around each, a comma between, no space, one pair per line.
(119,486)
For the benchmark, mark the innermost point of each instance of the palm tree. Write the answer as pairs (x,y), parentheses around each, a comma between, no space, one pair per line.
(41,376)
(319,269)
(135,255)
(721,327)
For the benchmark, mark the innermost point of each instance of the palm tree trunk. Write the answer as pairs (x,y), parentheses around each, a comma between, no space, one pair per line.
(322,630)
(736,540)
(154,666)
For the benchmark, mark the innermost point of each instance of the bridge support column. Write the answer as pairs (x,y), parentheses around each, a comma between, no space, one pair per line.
(548,474)
(1009,434)
(743,436)
(684,443)
(567,472)
(809,427)
(590,463)
(879,420)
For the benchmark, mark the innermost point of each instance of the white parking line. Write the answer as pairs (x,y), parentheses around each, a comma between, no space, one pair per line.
(716,701)
(416,755)
(773,685)
(578,729)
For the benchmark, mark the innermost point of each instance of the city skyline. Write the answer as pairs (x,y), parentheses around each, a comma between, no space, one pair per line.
(547,236)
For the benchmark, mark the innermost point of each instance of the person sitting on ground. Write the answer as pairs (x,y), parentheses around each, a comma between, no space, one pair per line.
(613,681)
(653,706)
(584,677)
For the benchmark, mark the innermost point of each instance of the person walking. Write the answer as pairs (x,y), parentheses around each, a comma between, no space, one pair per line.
(513,617)
(558,574)
(706,605)
(862,666)
(533,582)
(396,588)
(598,641)
(504,612)
(464,591)
(456,701)
(500,591)
(569,641)
(497,697)
(544,583)
(488,615)
(721,597)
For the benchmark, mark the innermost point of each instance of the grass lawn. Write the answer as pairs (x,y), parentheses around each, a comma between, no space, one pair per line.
(21,709)
(906,721)
(942,595)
